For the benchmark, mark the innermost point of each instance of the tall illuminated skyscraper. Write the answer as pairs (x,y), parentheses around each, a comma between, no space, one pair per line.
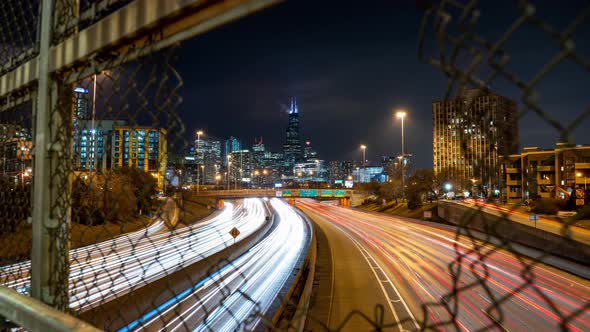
(292,146)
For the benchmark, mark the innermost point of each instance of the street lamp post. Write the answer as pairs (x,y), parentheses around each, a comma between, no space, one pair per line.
(228,170)
(364,148)
(402,115)
(199,133)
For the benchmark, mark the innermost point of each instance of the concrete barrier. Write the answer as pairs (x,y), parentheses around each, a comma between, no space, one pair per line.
(504,229)
(292,312)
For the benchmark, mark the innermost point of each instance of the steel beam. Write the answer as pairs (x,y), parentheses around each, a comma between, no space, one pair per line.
(130,28)
(34,315)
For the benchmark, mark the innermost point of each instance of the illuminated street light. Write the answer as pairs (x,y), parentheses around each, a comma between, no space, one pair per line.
(579,174)
(364,148)
(402,115)
(448,186)
(199,133)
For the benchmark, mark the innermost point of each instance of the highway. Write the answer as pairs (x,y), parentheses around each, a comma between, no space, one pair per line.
(576,233)
(116,267)
(430,279)
(233,297)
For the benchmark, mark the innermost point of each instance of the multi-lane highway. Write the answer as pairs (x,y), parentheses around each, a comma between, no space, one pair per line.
(428,278)
(234,297)
(116,267)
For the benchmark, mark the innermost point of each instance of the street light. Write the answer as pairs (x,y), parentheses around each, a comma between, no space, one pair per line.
(364,148)
(402,115)
(228,169)
(217,178)
(579,174)
(199,133)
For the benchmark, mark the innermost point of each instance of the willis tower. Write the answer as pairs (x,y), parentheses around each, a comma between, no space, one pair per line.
(292,146)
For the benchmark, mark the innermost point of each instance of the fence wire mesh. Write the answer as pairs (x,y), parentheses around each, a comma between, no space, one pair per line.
(453,40)
(140,254)
(15,193)
(18,33)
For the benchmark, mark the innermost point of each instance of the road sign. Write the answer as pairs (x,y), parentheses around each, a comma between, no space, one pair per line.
(534,217)
(234,232)
(326,193)
(308,193)
(579,201)
(339,193)
(427,214)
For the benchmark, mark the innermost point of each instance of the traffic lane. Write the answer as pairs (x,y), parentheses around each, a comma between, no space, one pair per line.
(358,284)
(433,249)
(505,274)
(248,285)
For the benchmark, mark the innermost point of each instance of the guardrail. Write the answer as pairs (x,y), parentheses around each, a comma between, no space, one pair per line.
(35,315)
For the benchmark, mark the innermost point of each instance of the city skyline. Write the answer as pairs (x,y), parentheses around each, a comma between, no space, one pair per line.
(350,69)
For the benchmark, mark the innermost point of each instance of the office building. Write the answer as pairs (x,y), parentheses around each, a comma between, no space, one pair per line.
(470,134)
(190,166)
(546,173)
(369,174)
(231,144)
(292,146)
(308,152)
(242,168)
(211,160)
(313,171)
(144,148)
(93,146)
(273,162)
(15,153)
(258,152)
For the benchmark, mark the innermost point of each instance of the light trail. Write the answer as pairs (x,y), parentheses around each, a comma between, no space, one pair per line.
(110,269)
(493,288)
(248,285)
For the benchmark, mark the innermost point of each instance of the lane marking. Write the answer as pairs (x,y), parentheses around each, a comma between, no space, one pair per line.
(366,256)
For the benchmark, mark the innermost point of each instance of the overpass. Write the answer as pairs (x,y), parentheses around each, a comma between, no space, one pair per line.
(343,196)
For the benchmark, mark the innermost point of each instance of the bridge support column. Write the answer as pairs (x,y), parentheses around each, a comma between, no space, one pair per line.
(344,201)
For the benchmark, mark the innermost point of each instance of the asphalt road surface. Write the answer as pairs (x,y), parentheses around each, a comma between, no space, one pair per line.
(427,278)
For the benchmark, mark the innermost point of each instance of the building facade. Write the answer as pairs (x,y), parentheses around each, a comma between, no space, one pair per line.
(94,145)
(15,153)
(144,148)
(231,144)
(312,171)
(292,147)
(470,134)
(546,173)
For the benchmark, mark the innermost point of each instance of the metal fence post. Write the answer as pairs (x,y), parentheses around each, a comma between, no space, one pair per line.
(50,255)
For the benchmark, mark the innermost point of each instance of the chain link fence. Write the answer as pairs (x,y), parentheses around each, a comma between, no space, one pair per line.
(124,250)
(453,40)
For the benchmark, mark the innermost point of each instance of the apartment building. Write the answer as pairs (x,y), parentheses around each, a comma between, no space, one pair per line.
(546,173)
(470,133)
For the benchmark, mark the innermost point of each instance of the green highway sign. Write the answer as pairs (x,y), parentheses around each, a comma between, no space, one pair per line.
(339,193)
(326,193)
(308,193)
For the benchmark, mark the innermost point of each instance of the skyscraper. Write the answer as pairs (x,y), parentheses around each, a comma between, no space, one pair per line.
(258,151)
(292,146)
(470,133)
(211,160)
(308,152)
(231,144)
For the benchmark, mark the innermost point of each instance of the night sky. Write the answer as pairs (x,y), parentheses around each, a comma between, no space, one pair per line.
(351,65)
